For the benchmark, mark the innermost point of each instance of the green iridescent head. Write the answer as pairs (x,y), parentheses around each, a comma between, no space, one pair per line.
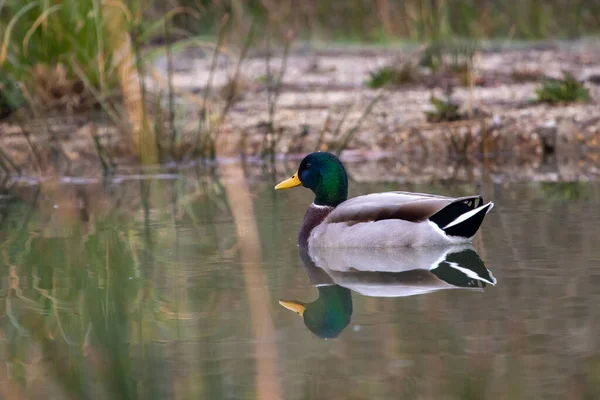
(324,174)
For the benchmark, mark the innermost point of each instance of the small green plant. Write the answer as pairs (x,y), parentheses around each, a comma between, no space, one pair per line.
(387,76)
(432,57)
(11,97)
(565,90)
(444,110)
(381,77)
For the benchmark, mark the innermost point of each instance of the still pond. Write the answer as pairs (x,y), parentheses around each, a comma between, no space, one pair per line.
(171,286)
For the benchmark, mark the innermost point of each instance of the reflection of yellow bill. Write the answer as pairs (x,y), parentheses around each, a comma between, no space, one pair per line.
(295,306)
(289,183)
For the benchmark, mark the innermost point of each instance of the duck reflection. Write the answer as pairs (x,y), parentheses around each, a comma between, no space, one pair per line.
(381,272)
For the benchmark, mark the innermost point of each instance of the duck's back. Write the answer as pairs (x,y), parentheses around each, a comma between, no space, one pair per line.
(406,206)
(387,220)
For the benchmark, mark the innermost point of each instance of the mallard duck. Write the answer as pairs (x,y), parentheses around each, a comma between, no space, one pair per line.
(381,273)
(389,219)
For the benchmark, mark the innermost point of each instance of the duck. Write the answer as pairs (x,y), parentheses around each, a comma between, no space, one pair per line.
(388,219)
(380,272)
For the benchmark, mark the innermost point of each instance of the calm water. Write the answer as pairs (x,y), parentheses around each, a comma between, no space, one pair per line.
(170,288)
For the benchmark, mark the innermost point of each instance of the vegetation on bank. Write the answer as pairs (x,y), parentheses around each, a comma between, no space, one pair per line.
(390,76)
(92,55)
(565,90)
(414,20)
(444,110)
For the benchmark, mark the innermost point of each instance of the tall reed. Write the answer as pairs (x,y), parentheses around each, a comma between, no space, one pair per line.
(76,53)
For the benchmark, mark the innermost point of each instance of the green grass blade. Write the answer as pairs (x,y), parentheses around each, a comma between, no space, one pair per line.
(9,28)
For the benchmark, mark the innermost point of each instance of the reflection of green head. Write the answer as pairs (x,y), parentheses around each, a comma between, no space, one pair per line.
(327,316)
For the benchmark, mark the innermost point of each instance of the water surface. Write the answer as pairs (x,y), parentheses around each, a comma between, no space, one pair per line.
(170,288)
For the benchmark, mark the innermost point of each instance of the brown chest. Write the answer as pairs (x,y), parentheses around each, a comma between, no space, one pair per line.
(313,217)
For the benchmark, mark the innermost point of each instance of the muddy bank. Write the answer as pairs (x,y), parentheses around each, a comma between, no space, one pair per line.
(322,101)
(323,88)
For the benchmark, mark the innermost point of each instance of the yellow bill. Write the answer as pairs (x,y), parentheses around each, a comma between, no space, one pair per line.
(289,183)
(295,306)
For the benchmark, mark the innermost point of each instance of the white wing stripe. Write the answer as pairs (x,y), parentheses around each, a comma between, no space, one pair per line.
(469,214)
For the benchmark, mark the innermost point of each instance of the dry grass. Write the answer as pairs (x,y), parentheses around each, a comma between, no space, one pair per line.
(77,55)
(53,88)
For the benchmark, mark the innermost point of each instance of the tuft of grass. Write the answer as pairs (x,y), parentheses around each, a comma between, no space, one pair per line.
(388,76)
(76,55)
(565,90)
(381,77)
(52,87)
(11,96)
(444,110)
(432,57)
(45,40)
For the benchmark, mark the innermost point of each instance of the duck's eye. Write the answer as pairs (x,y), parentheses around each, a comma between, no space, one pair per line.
(308,165)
